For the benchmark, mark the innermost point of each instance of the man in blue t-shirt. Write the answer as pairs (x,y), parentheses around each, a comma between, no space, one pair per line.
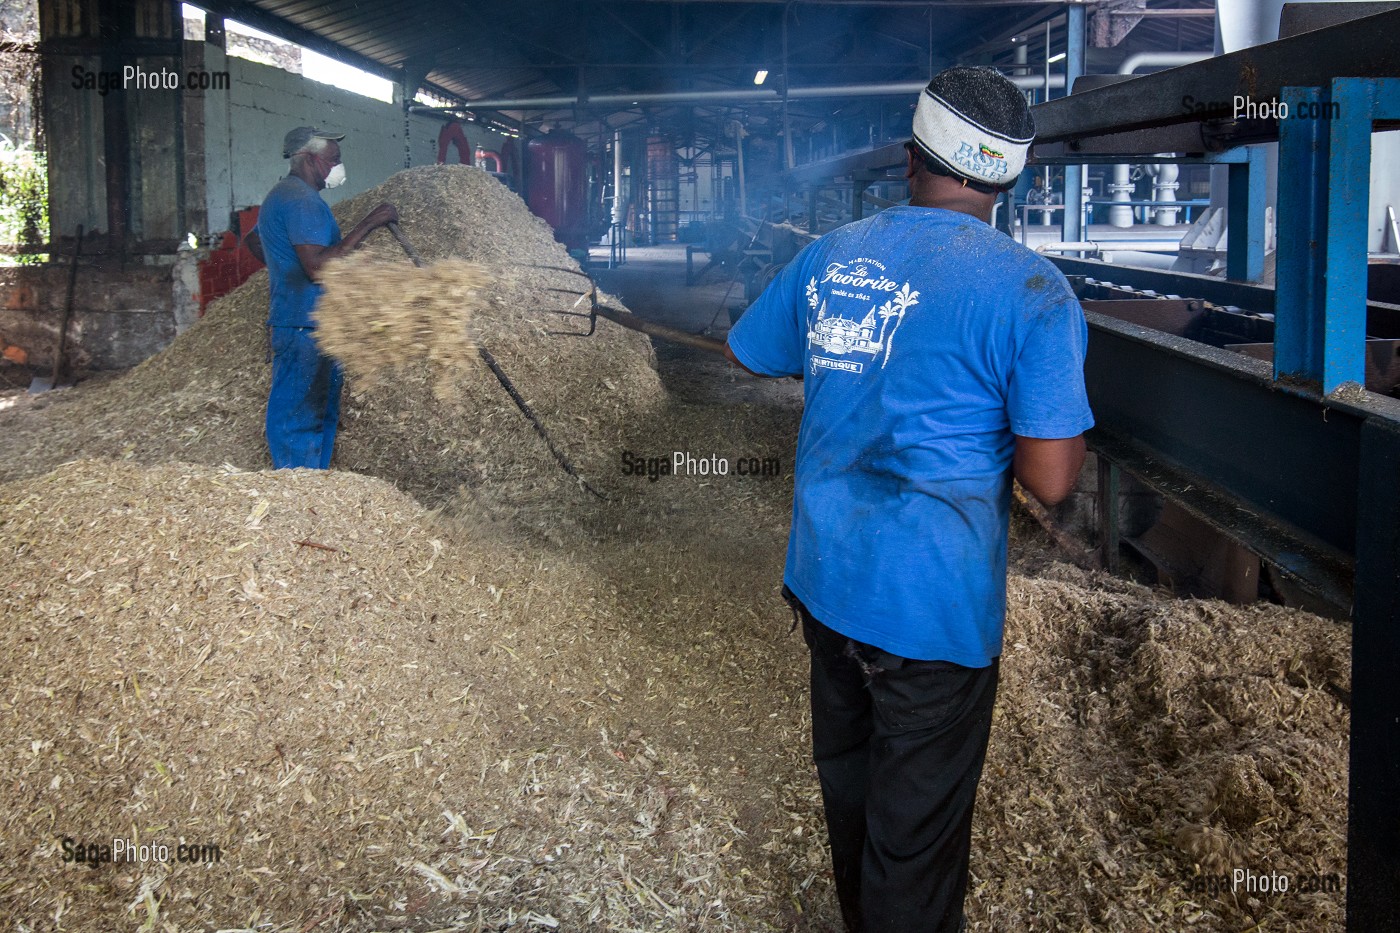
(940,359)
(296,235)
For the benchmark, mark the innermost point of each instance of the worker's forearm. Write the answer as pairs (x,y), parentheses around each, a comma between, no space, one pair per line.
(1048,469)
(313,263)
(355,237)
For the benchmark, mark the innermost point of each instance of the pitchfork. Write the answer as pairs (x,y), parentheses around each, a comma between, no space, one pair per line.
(597,309)
(505,381)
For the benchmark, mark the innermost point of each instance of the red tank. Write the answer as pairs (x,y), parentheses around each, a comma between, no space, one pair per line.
(556,185)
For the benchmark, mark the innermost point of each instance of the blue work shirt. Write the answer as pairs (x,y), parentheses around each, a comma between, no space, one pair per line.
(927,339)
(292,215)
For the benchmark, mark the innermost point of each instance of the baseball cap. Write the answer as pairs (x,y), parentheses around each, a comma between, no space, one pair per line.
(297,139)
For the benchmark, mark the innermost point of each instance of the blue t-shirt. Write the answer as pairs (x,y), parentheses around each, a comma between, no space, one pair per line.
(927,340)
(292,215)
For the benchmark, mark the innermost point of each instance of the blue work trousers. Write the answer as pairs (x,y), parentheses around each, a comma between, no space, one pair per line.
(303,407)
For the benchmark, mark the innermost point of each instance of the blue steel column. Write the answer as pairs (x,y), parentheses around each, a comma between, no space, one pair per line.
(1325,178)
(1302,240)
(1348,209)
(1072,227)
(1249,197)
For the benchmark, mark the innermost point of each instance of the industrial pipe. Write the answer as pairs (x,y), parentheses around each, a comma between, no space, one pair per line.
(1121,192)
(1132,63)
(619,205)
(1121,215)
(739,135)
(1164,185)
(736,96)
(1094,246)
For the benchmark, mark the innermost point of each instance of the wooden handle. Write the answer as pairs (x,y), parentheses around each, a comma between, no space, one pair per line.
(708,344)
(407,246)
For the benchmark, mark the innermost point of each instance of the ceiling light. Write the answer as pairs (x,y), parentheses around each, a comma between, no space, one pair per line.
(1058,58)
(760,76)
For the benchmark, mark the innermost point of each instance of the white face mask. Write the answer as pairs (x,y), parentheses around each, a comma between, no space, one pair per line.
(336,177)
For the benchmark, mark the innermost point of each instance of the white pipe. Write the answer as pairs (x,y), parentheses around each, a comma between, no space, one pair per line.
(1144,260)
(1121,215)
(738,96)
(1121,189)
(1093,246)
(1160,60)
(1164,189)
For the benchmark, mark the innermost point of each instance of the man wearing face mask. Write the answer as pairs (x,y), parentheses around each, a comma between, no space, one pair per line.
(296,236)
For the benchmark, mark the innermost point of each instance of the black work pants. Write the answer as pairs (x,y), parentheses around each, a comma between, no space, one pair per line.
(899,746)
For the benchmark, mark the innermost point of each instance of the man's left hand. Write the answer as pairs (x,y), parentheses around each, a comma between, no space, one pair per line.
(382,215)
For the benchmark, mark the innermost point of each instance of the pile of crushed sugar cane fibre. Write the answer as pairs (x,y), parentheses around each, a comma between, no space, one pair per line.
(381,725)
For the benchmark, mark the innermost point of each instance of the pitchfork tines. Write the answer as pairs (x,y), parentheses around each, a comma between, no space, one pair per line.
(591,296)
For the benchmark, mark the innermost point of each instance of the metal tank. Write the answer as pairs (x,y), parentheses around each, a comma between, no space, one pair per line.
(556,167)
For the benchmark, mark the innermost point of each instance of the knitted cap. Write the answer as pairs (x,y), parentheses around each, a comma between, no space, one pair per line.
(975,123)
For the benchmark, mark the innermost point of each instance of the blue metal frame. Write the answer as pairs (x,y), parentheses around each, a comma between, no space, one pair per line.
(1321,306)
(1249,200)
(1072,220)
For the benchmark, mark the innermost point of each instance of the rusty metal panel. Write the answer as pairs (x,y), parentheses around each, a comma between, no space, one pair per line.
(1179,316)
(1382,362)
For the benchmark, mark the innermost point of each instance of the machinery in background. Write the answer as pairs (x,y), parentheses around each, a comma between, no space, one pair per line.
(556,186)
(229,264)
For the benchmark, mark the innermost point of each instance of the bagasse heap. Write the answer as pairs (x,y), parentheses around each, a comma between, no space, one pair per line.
(299,668)
(259,660)
(203,399)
